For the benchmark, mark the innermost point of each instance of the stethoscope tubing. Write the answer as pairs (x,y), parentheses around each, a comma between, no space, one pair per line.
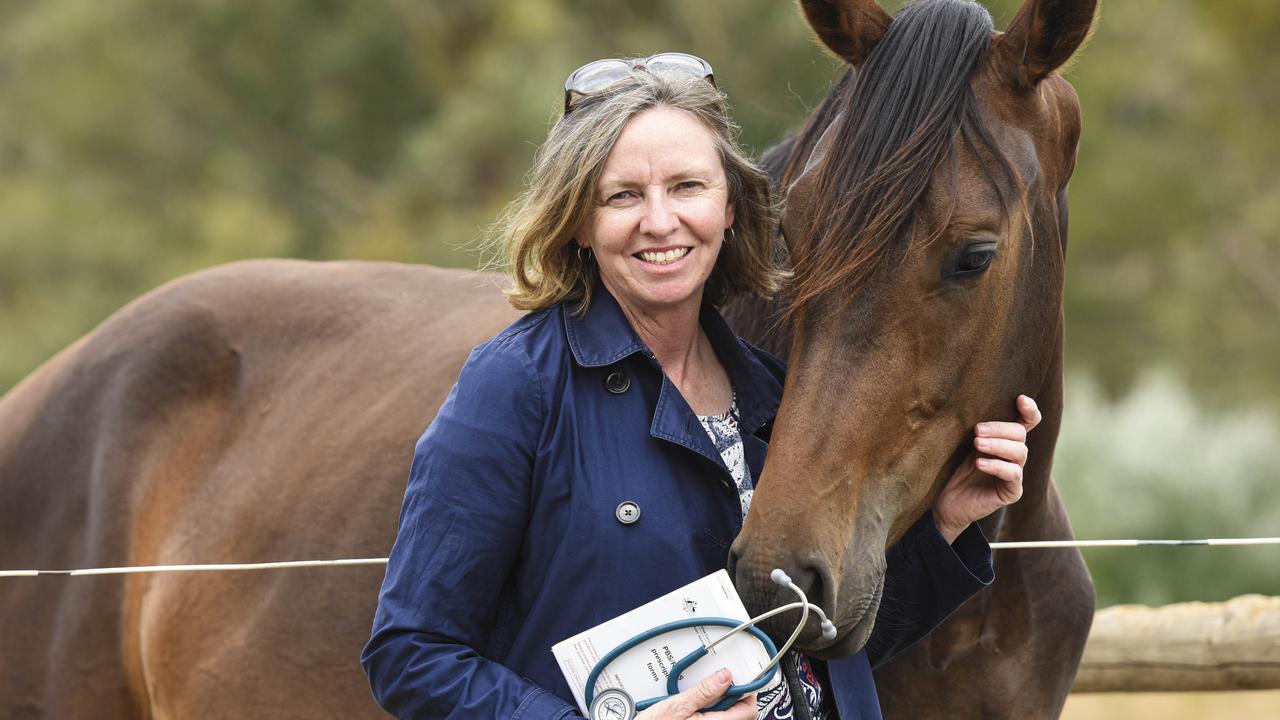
(735,692)
(732,695)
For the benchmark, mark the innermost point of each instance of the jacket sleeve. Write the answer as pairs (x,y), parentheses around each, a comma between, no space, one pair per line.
(461,527)
(925,581)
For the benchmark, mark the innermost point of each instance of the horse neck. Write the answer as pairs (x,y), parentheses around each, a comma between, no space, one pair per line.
(1039,514)
(1044,438)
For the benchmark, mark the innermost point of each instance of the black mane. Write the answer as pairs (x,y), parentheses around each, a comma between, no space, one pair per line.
(893,122)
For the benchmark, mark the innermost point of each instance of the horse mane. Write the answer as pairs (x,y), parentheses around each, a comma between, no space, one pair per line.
(894,121)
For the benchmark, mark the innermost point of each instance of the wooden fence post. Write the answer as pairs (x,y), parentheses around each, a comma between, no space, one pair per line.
(1192,646)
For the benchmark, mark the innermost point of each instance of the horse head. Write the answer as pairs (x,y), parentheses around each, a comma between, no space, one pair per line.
(925,217)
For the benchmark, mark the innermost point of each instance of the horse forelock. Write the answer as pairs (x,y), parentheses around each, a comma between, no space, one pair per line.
(891,124)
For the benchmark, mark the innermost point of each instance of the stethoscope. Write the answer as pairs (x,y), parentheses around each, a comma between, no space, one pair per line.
(616,704)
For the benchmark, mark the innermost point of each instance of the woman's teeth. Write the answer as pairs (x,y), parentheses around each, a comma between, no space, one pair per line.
(664,258)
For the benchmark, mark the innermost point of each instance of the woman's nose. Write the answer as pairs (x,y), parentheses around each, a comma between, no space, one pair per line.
(659,220)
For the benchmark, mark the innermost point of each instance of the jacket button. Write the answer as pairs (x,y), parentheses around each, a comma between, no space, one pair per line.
(628,513)
(617,382)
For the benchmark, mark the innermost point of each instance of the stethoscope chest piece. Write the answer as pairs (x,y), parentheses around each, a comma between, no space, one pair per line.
(613,704)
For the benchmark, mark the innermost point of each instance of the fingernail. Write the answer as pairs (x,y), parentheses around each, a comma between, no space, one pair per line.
(983,463)
(982,429)
(723,675)
(983,444)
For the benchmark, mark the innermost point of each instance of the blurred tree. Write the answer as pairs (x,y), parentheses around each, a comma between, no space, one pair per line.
(140,141)
(1175,207)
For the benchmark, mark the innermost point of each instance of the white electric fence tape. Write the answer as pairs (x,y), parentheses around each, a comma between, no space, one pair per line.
(210,567)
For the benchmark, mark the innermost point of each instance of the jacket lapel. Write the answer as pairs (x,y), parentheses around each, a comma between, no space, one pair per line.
(602,336)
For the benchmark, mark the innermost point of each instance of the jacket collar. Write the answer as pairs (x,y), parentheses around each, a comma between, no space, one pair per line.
(602,336)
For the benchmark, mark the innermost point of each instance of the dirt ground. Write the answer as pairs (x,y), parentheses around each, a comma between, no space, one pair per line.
(1259,705)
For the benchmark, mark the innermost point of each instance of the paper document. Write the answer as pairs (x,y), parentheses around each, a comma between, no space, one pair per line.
(642,671)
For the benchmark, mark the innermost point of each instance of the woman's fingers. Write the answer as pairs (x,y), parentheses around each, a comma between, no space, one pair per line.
(744,709)
(970,496)
(1031,417)
(1029,410)
(688,703)
(1009,474)
(1010,450)
(1006,442)
(1002,430)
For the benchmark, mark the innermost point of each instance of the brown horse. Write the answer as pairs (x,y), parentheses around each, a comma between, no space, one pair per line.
(926,218)
(267,411)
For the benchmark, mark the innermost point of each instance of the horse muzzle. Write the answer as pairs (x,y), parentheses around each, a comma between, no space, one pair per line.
(751,574)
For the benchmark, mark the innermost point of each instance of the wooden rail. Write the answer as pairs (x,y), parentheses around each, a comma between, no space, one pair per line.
(1234,645)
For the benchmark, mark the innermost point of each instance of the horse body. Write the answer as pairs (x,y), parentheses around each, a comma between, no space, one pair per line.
(259,411)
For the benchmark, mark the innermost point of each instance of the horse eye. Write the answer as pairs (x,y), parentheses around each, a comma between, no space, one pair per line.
(976,258)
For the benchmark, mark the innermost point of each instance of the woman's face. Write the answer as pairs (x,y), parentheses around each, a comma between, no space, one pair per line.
(660,212)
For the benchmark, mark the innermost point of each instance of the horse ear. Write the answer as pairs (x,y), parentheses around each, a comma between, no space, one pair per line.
(1042,36)
(850,28)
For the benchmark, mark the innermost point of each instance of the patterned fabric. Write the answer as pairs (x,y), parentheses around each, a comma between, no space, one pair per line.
(775,700)
(723,430)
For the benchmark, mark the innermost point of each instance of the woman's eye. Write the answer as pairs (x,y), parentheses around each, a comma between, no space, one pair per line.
(689,185)
(619,196)
(976,259)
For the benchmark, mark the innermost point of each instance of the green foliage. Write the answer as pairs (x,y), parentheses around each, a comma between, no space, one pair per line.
(143,139)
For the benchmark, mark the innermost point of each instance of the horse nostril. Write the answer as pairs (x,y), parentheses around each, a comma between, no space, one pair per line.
(812,581)
(731,566)
(814,589)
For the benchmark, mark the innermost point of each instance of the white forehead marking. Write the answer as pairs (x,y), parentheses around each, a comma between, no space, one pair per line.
(818,152)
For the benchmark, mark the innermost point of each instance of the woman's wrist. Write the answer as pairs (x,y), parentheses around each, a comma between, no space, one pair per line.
(948,531)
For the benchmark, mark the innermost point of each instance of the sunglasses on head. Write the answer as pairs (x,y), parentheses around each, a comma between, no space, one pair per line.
(600,74)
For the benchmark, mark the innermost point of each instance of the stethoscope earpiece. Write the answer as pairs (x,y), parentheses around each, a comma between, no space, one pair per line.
(828,628)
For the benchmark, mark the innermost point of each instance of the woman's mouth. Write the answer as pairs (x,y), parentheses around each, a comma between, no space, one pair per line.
(663,257)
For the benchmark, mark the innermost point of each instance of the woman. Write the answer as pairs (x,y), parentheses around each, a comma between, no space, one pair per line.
(600,451)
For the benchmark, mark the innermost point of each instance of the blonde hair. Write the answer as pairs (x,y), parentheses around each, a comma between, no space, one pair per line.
(536,233)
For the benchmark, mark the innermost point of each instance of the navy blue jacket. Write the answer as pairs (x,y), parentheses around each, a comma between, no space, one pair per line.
(508,540)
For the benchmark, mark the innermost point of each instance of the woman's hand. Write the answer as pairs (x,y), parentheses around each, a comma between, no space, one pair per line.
(688,703)
(982,485)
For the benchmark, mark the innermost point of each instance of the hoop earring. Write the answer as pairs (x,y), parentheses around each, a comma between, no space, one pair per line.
(732,236)
(584,258)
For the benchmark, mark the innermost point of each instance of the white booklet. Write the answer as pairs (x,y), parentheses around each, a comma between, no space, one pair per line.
(642,671)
